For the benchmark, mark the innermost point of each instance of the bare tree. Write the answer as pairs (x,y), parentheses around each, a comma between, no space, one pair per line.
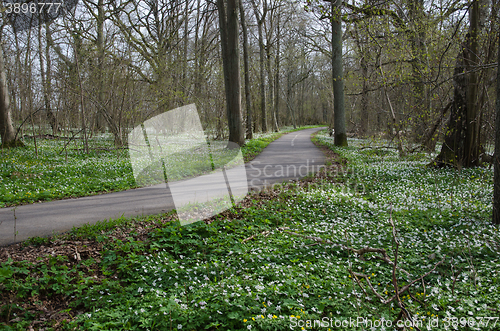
(246,67)
(496,156)
(260,23)
(340,136)
(6,128)
(229,30)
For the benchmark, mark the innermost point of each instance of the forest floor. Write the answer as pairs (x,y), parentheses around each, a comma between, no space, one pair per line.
(347,249)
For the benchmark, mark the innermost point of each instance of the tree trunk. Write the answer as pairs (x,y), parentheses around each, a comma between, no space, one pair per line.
(472,143)
(461,145)
(270,79)
(277,80)
(6,128)
(340,136)
(260,22)
(364,98)
(496,156)
(100,123)
(417,37)
(45,76)
(231,62)
(248,100)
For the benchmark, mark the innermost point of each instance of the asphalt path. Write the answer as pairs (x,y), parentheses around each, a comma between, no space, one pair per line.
(290,157)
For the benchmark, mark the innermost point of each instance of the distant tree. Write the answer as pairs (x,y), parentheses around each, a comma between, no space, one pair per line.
(229,30)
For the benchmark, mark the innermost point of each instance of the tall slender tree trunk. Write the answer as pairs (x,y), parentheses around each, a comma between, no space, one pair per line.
(340,136)
(185,51)
(260,23)
(6,128)
(472,143)
(270,79)
(277,79)
(231,62)
(364,98)
(291,114)
(363,118)
(248,100)
(496,156)
(417,39)
(45,76)
(100,116)
(262,81)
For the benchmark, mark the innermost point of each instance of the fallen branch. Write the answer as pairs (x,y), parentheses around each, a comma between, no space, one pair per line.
(400,291)
(265,233)
(383,256)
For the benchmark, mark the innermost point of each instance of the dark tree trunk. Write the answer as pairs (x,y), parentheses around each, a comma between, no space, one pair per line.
(277,80)
(340,136)
(6,128)
(248,100)
(461,146)
(229,30)
(100,122)
(472,143)
(452,151)
(496,156)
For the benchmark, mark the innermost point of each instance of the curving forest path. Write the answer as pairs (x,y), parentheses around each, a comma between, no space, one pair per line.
(290,157)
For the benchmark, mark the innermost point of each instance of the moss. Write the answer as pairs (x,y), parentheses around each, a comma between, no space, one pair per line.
(12,144)
(341,139)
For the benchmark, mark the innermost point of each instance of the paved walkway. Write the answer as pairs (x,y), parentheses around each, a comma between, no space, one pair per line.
(290,157)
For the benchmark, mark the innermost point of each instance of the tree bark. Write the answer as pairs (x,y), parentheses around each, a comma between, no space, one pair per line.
(248,100)
(45,76)
(461,145)
(231,62)
(471,157)
(496,156)
(417,38)
(6,128)
(260,22)
(277,79)
(364,115)
(340,136)
(100,123)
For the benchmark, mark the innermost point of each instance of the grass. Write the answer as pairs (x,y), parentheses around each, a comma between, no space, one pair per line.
(280,261)
(54,174)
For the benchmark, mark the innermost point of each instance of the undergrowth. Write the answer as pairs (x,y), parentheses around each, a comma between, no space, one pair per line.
(285,259)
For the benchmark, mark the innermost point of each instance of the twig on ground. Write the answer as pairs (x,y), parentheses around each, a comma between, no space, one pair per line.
(265,233)
(400,290)
(383,256)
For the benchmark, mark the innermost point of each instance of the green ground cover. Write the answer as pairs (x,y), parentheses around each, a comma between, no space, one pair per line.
(55,174)
(286,259)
